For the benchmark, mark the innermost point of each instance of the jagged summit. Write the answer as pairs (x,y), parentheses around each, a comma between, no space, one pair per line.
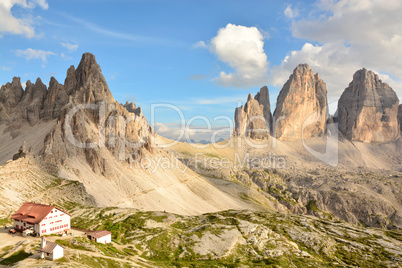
(89,81)
(368,108)
(303,97)
(86,84)
(254,119)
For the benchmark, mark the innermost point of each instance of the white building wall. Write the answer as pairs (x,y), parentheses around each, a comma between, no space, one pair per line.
(55,222)
(58,253)
(105,239)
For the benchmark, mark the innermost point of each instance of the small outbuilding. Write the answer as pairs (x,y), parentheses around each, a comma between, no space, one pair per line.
(103,237)
(50,250)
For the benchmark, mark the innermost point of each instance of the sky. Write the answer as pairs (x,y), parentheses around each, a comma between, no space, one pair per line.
(196,61)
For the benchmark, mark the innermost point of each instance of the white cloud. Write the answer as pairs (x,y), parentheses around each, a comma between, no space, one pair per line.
(70,46)
(291,12)
(65,57)
(121,35)
(242,48)
(344,36)
(30,53)
(200,44)
(12,25)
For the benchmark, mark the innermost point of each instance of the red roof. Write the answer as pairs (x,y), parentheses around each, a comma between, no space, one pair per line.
(99,234)
(32,212)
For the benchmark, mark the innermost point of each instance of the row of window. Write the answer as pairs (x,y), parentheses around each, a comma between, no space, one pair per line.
(53,222)
(55,228)
(50,217)
(59,227)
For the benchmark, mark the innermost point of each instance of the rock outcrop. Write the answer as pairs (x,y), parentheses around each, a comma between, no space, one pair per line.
(254,119)
(21,152)
(368,109)
(132,108)
(301,108)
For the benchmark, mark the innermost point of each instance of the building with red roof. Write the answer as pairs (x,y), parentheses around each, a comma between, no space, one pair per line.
(43,219)
(103,237)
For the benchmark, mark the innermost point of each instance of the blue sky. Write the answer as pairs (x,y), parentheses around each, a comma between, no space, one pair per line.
(183,53)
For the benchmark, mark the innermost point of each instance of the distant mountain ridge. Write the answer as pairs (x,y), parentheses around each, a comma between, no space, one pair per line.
(367,110)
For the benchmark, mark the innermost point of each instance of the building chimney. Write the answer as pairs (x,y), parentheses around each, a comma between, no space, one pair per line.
(43,242)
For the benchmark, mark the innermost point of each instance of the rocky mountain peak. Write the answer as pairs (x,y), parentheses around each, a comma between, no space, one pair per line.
(254,119)
(11,93)
(368,109)
(302,98)
(263,98)
(89,83)
(302,69)
(70,81)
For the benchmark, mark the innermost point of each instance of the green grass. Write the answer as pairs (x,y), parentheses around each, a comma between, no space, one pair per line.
(312,206)
(98,262)
(5,221)
(212,155)
(68,243)
(62,259)
(16,257)
(5,250)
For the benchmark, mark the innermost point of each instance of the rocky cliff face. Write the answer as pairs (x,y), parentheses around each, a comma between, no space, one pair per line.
(368,109)
(301,106)
(254,119)
(80,130)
